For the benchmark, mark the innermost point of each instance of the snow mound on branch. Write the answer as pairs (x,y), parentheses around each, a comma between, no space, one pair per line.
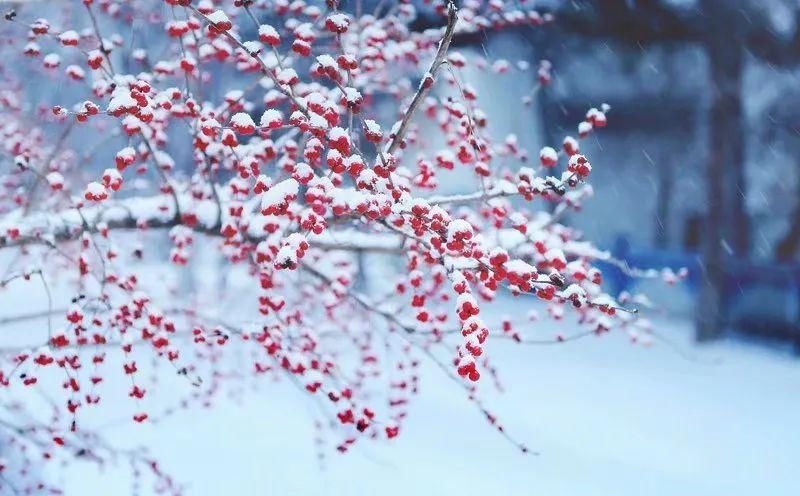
(279,194)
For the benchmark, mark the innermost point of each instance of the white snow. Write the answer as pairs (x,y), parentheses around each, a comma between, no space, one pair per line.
(458,227)
(607,417)
(287,75)
(51,60)
(326,60)
(242,120)
(267,31)
(218,17)
(68,37)
(548,154)
(520,267)
(372,126)
(341,21)
(278,194)
(271,118)
(120,100)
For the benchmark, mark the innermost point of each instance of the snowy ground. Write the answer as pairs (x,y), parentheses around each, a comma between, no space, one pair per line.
(607,418)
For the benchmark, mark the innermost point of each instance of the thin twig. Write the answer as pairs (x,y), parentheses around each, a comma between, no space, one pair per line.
(433,70)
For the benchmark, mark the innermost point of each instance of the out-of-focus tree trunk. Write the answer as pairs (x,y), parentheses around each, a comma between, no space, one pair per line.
(666,180)
(726,222)
(786,248)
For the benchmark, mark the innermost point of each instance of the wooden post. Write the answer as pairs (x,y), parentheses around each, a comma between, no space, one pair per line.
(726,225)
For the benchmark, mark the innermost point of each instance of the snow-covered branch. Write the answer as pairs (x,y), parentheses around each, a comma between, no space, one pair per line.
(249,154)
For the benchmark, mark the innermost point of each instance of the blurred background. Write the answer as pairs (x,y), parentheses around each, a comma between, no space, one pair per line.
(699,165)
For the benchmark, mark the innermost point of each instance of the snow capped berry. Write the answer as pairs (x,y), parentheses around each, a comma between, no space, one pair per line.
(301,47)
(188,64)
(276,200)
(372,130)
(43,357)
(112,179)
(458,233)
(267,34)
(305,32)
(337,23)
(243,124)
(210,127)
(446,159)
(596,117)
(220,21)
(286,258)
(457,59)
(288,77)
(122,102)
(466,368)
(318,122)
(95,192)
(262,184)
(466,306)
(501,66)
(355,165)
(233,97)
(327,66)
(556,258)
(543,74)
(548,156)
(68,38)
(40,26)
(229,138)
(326,61)
(95,59)
(125,157)
(176,29)
(578,164)
(294,248)
(498,256)
(520,273)
(459,229)
(51,61)
(335,161)
(271,119)
(347,62)
(574,293)
(55,180)
(32,49)
(75,72)
(303,173)
(571,146)
(338,139)
(420,207)
(353,98)
(519,222)
(584,128)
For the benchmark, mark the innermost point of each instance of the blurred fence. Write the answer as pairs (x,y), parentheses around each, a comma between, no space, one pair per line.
(760,298)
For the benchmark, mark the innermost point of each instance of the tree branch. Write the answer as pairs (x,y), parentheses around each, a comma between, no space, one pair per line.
(424,89)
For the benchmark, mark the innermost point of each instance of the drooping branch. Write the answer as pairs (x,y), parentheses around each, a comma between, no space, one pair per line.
(278,200)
